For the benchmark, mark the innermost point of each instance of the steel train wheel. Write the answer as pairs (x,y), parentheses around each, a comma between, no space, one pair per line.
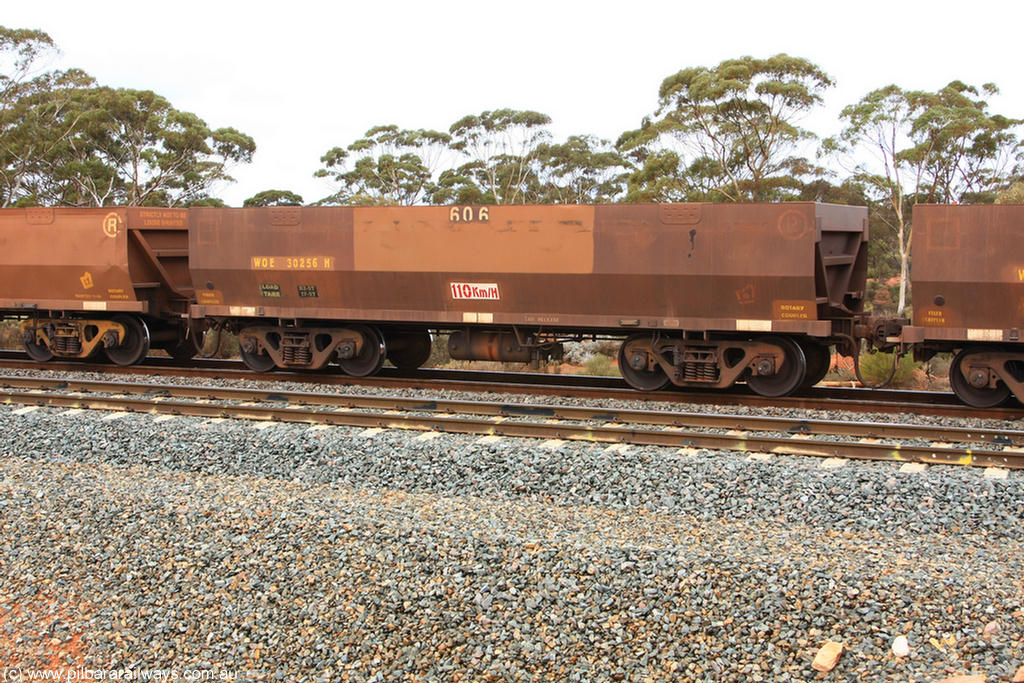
(135,344)
(37,352)
(642,379)
(257,361)
(371,355)
(788,377)
(983,397)
(819,359)
(410,351)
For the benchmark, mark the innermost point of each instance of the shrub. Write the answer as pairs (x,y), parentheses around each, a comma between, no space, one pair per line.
(600,365)
(10,336)
(439,357)
(875,368)
(936,372)
(578,353)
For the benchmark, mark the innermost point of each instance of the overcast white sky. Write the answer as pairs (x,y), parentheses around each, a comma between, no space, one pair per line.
(301,77)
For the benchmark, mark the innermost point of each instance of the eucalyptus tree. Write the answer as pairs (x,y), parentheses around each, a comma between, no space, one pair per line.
(388,165)
(500,153)
(912,146)
(32,105)
(273,198)
(20,49)
(1012,195)
(34,131)
(131,147)
(582,170)
(727,133)
(66,141)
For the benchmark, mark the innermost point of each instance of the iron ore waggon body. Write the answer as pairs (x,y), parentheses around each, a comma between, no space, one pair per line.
(702,295)
(705,294)
(88,280)
(968,292)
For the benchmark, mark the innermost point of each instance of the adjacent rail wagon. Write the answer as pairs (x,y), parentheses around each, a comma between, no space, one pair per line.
(86,281)
(704,294)
(968,289)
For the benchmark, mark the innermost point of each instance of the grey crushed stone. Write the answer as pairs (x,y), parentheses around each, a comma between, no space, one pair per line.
(298,554)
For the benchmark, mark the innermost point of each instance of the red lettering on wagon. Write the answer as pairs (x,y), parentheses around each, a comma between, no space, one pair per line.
(483,291)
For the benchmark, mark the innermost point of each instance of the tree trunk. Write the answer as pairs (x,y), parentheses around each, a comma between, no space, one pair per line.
(904,262)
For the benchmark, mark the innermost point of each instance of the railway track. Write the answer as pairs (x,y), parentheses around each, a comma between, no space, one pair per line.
(753,434)
(829,398)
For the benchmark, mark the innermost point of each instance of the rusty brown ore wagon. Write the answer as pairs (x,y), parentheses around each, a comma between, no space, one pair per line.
(968,287)
(83,281)
(704,294)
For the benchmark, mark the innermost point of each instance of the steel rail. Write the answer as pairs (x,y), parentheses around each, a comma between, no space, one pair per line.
(750,423)
(817,398)
(795,444)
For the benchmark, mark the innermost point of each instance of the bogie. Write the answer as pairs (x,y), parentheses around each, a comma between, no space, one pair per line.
(771,366)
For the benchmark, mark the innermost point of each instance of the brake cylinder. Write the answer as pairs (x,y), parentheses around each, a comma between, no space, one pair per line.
(495,346)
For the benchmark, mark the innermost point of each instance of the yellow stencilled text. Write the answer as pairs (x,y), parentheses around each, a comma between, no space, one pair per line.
(292,263)
(794,310)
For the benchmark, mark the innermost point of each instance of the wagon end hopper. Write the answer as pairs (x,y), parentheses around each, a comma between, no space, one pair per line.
(792,268)
(739,270)
(968,293)
(91,279)
(769,287)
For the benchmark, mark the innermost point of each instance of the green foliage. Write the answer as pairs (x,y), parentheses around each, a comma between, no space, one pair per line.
(213,202)
(600,365)
(963,149)
(936,372)
(133,148)
(1012,195)
(924,147)
(66,141)
(875,368)
(658,178)
(273,198)
(851,192)
(883,296)
(502,163)
(32,111)
(582,170)
(36,124)
(728,132)
(19,50)
(439,357)
(10,335)
(386,166)
(883,247)
(732,130)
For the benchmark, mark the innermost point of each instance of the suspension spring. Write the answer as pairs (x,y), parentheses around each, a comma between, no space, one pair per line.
(696,366)
(296,349)
(64,343)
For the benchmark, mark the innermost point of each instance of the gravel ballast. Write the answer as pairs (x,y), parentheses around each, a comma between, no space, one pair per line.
(289,553)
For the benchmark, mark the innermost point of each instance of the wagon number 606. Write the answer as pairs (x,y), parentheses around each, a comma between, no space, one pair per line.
(467,214)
